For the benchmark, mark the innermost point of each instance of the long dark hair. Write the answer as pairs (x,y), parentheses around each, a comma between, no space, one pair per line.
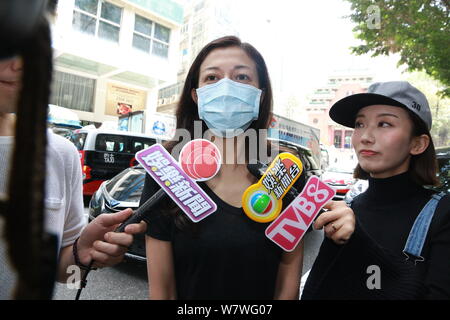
(422,167)
(32,252)
(187,109)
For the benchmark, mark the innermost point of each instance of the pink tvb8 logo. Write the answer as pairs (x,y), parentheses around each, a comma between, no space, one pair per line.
(291,225)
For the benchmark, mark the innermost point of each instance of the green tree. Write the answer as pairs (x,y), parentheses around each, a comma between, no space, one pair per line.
(440,106)
(419,30)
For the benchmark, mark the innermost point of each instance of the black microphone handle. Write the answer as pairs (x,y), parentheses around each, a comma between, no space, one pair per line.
(139,214)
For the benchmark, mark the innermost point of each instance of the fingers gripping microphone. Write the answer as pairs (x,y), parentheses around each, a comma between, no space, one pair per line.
(304,207)
(200,160)
(292,224)
(140,213)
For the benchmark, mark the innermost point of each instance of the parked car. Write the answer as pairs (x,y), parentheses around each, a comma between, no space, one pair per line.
(443,157)
(119,193)
(310,166)
(339,178)
(104,154)
(124,191)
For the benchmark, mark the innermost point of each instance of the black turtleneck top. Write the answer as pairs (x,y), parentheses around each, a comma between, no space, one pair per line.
(389,207)
(385,214)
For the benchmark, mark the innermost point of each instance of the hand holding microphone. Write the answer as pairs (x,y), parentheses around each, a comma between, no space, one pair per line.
(200,160)
(288,229)
(338,222)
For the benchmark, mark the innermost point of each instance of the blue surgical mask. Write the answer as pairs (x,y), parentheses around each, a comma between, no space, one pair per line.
(228,107)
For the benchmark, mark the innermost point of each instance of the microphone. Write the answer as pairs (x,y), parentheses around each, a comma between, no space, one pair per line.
(140,213)
(262,201)
(258,169)
(200,160)
(293,223)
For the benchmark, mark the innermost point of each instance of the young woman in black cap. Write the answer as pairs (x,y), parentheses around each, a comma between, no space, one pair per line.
(401,245)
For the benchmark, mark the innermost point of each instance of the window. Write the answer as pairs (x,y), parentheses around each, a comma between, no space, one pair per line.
(151,37)
(137,122)
(348,140)
(138,144)
(73,92)
(170,91)
(118,143)
(97,18)
(110,143)
(338,139)
(199,6)
(198,27)
(185,28)
(78,140)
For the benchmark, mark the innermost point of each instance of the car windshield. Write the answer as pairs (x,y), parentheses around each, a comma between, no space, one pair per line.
(78,140)
(127,185)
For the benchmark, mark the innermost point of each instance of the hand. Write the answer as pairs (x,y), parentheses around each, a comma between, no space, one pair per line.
(339,221)
(99,242)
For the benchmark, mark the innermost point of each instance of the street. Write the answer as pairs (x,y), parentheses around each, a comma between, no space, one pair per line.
(128,280)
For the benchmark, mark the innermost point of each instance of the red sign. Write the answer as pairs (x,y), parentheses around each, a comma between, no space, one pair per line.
(291,225)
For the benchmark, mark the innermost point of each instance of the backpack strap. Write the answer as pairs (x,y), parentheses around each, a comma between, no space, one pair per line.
(418,233)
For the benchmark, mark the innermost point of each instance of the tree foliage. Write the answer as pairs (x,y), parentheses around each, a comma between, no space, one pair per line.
(419,30)
(439,107)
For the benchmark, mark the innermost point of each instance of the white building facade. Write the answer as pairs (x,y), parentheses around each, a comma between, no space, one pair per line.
(204,21)
(112,56)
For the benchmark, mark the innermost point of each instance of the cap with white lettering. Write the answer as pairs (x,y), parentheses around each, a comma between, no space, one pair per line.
(393,93)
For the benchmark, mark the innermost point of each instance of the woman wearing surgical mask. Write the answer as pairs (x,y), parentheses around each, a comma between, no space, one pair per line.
(226,255)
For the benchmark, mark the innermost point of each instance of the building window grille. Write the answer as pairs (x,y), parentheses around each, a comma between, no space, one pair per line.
(72,91)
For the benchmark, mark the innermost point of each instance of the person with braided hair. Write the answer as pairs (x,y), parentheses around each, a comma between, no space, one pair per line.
(24,141)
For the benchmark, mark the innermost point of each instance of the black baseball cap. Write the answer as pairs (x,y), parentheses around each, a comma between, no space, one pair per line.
(393,93)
